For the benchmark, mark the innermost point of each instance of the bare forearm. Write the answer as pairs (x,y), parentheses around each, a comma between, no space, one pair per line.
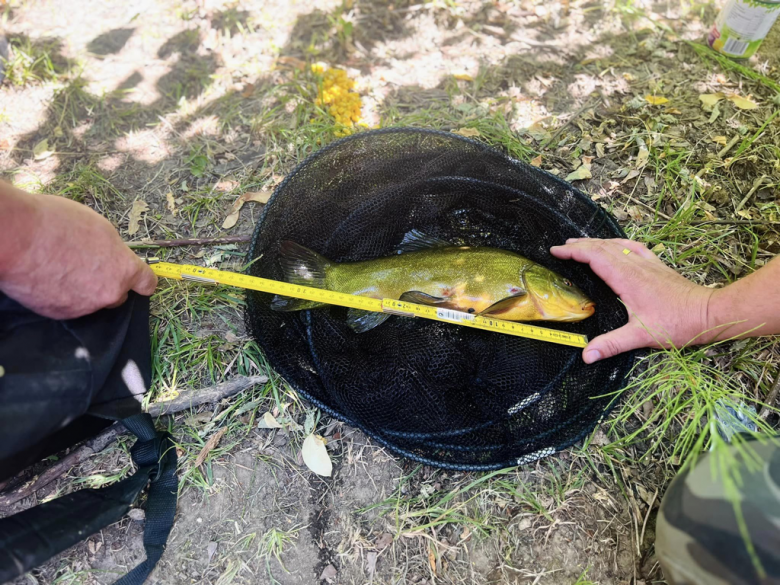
(748,307)
(18,213)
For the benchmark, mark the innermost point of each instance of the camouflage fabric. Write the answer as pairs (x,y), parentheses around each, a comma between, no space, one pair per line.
(698,541)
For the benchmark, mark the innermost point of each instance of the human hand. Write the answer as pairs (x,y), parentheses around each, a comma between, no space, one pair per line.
(664,308)
(69,261)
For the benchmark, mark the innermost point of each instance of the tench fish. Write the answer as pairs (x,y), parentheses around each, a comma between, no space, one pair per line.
(483,281)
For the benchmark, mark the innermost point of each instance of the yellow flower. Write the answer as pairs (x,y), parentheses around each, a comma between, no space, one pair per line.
(336,95)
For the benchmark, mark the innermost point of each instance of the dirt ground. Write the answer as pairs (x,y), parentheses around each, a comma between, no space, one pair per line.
(184,105)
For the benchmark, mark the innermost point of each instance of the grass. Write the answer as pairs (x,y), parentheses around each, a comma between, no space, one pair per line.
(665,419)
(34,61)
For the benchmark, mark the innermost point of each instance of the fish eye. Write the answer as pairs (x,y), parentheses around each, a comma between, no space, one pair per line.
(567,282)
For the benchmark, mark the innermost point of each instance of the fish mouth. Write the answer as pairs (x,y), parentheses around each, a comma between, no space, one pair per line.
(589,307)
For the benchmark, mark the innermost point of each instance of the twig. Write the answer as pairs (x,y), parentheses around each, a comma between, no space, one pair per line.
(769,403)
(102,440)
(729,146)
(204,395)
(756,184)
(190,242)
(590,104)
(713,222)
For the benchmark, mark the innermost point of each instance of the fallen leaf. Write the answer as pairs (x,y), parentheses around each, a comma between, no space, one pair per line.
(710,99)
(656,100)
(210,444)
(658,248)
(642,157)
(4,144)
(211,549)
(329,573)
(139,208)
(720,140)
(268,422)
(580,174)
(742,103)
(384,540)
(232,217)
(171,203)
(41,150)
(600,150)
(467,132)
(432,558)
(248,90)
(463,77)
(536,161)
(371,564)
(674,111)
(315,455)
(632,174)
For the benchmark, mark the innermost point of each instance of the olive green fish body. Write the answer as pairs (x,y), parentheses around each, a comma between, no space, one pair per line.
(485,281)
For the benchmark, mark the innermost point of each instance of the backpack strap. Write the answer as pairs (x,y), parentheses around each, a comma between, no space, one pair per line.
(33,536)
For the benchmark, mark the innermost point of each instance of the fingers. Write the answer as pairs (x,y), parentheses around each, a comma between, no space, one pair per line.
(145,280)
(616,245)
(117,303)
(615,342)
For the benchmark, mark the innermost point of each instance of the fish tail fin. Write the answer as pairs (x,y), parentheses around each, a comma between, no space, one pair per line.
(300,266)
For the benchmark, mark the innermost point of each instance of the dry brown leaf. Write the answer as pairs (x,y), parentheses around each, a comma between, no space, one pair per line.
(268,422)
(256,196)
(536,161)
(467,132)
(248,90)
(741,102)
(139,208)
(4,144)
(315,455)
(710,99)
(432,558)
(581,173)
(209,446)
(656,100)
(171,203)
(642,157)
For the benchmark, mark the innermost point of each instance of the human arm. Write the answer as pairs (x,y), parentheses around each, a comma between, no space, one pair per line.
(63,260)
(667,309)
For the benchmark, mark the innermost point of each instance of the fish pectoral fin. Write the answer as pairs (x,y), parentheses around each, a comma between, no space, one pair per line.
(502,305)
(415,241)
(415,296)
(284,304)
(362,321)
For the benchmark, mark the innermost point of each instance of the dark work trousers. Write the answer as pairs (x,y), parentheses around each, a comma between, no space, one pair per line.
(64,381)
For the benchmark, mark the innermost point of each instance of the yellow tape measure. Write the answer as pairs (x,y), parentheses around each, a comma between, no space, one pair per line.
(392,306)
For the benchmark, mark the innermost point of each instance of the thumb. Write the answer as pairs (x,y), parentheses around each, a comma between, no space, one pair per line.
(145,280)
(613,343)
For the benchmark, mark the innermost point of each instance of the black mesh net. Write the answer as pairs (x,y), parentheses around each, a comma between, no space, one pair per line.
(437,393)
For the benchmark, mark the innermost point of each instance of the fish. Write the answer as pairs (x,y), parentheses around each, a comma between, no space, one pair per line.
(484,281)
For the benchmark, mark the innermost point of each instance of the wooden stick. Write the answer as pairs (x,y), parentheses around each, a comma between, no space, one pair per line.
(769,403)
(102,440)
(190,242)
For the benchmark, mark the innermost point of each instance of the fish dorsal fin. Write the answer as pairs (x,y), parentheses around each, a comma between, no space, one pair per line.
(503,305)
(415,240)
(415,296)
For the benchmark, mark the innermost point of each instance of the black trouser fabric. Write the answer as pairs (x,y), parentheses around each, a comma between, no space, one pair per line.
(61,382)
(56,372)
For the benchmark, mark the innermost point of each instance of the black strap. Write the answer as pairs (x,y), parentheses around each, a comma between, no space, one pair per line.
(33,536)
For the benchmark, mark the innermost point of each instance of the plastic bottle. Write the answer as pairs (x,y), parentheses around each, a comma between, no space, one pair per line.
(742,25)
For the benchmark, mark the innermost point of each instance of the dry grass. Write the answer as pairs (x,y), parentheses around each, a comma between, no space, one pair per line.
(222,105)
